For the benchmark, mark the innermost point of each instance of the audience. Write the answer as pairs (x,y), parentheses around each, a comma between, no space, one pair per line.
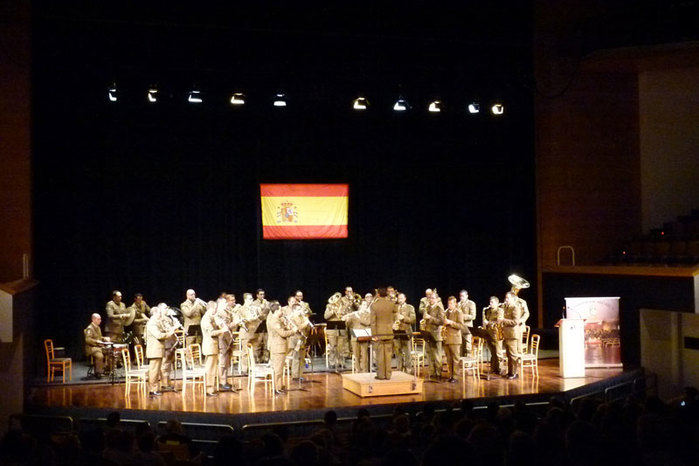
(634,431)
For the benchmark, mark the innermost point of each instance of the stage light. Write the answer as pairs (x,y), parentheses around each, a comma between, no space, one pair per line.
(401,105)
(360,103)
(497,109)
(112,93)
(435,106)
(152,95)
(194,97)
(280,100)
(474,107)
(238,98)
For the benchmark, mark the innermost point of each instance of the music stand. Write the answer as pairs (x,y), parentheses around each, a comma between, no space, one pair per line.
(429,339)
(194,330)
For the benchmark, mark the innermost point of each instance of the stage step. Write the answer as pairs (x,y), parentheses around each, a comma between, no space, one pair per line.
(365,384)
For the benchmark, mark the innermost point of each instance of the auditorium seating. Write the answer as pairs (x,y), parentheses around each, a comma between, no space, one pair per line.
(674,244)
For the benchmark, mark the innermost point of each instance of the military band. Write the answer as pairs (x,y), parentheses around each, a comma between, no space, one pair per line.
(226,326)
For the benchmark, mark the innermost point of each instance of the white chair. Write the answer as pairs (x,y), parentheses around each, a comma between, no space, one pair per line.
(140,360)
(190,373)
(286,374)
(258,372)
(473,363)
(531,358)
(139,375)
(417,354)
(238,354)
(525,339)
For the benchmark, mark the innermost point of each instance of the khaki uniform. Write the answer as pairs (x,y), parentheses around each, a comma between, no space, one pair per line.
(250,318)
(157,331)
(468,309)
(209,347)
(138,315)
(490,316)
(453,339)
(296,343)
(337,339)
(525,317)
(116,317)
(278,347)
(261,346)
(357,321)
(306,308)
(434,327)
(93,336)
(225,341)
(192,312)
(383,314)
(424,302)
(401,347)
(513,326)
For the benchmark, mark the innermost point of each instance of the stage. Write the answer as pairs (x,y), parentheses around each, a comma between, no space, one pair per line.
(90,401)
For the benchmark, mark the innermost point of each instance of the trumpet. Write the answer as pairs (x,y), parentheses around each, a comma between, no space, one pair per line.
(423,325)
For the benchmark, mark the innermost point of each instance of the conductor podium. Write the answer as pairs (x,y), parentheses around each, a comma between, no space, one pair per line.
(571,343)
(366,384)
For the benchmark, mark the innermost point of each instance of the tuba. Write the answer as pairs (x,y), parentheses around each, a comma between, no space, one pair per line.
(517,283)
(357,299)
(334,298)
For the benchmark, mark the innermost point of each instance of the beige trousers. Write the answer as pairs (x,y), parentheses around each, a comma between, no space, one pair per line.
(384,354)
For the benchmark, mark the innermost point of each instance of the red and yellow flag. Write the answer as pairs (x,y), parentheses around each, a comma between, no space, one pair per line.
(304,211)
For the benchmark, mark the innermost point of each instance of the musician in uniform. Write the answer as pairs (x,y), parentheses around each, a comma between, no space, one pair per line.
(250,319)
(491,318)
(139,312)
(405,318)
(157,332)
(279,329)
(211,332)
(227,318)
(360,320)
(304,305)
(383,315)
(94,342)
(453,326)
(433,317)
(116,318)
(425,301)
(192,309)
(392,294)
(262,350)
(468,309)
(337,338)
(296,314)
(514,317)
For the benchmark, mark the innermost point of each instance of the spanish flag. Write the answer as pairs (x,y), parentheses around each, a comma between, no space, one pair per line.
(304,211)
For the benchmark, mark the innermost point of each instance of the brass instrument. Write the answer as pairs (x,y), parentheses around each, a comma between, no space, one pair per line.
(423,325)
(335,298)
(518,283)
(357,299)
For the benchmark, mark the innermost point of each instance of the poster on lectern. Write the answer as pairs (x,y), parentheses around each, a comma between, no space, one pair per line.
(602,331)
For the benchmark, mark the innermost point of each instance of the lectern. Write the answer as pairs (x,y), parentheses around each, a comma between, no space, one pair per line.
(571,344)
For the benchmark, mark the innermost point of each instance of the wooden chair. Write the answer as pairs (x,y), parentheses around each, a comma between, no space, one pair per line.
(53,363)
(190,373)
(286,374)
(237,354)
(531,358)
(417,354)
(195,350)
(140,360)
(525,339)
(139,375)
(473,363)
(258,372)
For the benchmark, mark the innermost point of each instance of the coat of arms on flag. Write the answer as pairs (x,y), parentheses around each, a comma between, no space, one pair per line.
(287,213)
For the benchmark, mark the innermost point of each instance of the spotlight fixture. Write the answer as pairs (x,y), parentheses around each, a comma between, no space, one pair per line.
(435,106)
(112,93)
(360,103)
(401,105)
(152,94)
(474,107)
(279,100)
(238,98)
(194,97)
(497,109)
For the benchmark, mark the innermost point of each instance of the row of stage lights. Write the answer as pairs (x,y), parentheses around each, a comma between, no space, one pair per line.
(359,104)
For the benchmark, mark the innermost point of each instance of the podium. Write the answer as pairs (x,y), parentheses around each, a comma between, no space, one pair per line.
(571,344)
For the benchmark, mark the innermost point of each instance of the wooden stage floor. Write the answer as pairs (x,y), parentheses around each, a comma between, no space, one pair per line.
(327,393)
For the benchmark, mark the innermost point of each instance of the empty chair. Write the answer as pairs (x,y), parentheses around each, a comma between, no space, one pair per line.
(473,363)
(259,372)
(139,375)
(54,364)
(530,359)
